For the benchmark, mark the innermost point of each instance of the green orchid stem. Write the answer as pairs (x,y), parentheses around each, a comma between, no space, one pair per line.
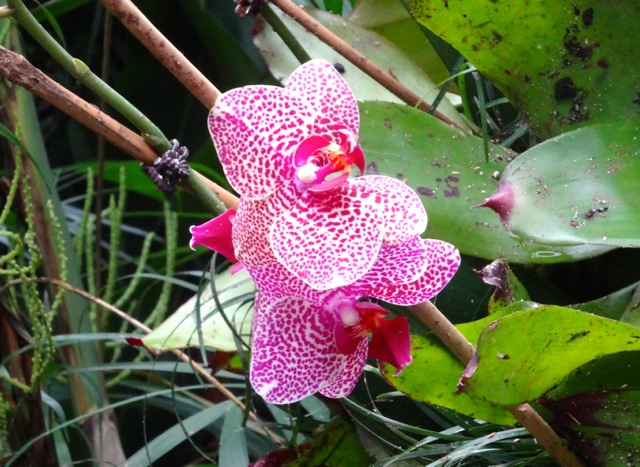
(204,194)
(82,72)
(285,34)
(151,133)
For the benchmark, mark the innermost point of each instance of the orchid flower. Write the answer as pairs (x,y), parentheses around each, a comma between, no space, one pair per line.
(318,243)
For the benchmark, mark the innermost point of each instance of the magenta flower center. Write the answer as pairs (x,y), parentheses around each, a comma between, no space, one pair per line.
(322,164)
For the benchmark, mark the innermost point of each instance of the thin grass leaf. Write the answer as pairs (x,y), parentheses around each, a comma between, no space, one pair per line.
(233,443)
(178,433)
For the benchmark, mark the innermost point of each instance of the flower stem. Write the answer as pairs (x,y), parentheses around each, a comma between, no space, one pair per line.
(287,37)
(437,322)
(18,70)
(81,71)
(359,60)
(149,36)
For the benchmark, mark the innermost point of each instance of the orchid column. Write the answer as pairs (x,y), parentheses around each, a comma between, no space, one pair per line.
(319,245)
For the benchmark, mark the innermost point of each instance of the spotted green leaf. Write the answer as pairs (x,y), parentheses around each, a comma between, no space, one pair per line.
(563,63)
(523,355)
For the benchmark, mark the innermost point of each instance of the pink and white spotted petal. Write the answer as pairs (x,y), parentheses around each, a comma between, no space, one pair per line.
(253,222)
(275,282)
(322,86)
(293,352)
(330,239)
(346,380)
(405,215)
(399,264)
(443,262)
(256,130)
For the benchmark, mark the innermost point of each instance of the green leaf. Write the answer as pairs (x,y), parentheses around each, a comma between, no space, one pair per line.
(433,375)
(621,305)
(563,63)
(613,372)
(233,443)
(191,321)
(448,170)
(392,20)
(601,425)
(577,189)
(180,432)
(523,355)
(375,47)
(335,446)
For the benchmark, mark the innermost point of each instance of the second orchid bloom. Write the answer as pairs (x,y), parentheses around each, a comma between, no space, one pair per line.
(318,244)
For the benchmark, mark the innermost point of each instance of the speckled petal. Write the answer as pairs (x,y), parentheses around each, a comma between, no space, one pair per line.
(399,264)
(330,239)
(253,222)
(443,262)
(345,381)
(293,353)
(256,130)
(404,212)
(320,84)
(274,282)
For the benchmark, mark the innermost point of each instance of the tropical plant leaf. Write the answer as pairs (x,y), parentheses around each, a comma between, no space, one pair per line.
(562,63)
(434,373)
(512,366)
(448,170)
(577,189)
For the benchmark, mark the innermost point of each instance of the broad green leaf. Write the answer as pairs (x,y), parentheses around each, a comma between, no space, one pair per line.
(433,375)
(448,170)
(191,321)
(563,63)
(603,426)
(621,305)
(375,47)
(523,355)
(611,372)
(578,188)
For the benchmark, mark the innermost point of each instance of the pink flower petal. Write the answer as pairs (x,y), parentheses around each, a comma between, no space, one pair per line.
(399,264)
(390,343)
(293,352)
(330,239)
(215,235)
(443,262)
(253,222)
(404,212)
(324,89)
(345,381)
(256,130)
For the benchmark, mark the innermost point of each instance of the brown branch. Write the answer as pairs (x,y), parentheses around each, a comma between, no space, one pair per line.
(18,70)
(166,53)
(433,319)
(359,60)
